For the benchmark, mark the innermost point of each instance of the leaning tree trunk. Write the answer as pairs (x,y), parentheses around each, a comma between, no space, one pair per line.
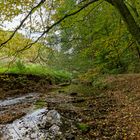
(132,26)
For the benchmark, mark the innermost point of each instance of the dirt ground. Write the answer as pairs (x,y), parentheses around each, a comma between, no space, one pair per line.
(109,113)
(16,85)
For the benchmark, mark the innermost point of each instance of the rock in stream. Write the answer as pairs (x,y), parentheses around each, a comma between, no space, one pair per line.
(38,125)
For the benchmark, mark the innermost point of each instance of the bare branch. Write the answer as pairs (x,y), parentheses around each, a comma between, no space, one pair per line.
(49,28)
(56,23)
(22,22)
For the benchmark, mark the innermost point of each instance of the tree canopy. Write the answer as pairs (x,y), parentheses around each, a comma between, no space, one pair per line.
(83,34)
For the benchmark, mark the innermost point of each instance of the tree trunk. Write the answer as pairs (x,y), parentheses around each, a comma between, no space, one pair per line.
(132,26)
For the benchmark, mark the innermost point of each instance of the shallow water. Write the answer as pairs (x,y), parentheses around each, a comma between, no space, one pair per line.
(20,128)
(12,101)
(38,125)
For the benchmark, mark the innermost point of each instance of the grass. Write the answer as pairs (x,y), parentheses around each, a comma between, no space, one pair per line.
(34,69)
(40,104)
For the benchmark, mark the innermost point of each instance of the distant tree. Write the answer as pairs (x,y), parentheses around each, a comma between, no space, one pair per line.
(106,47)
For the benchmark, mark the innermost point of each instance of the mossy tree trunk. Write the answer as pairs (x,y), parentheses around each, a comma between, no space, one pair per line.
(128,18)
(132,25)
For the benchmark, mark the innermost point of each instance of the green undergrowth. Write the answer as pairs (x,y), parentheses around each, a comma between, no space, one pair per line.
(40,104)
(83,127)
(34,69)
(82,90)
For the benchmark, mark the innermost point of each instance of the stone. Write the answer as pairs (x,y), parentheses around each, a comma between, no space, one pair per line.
(70,136)
(54,129)
(33,126)
(53,117)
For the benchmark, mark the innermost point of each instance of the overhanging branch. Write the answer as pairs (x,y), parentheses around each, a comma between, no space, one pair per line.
(50,27)
(22,22)
(58,22)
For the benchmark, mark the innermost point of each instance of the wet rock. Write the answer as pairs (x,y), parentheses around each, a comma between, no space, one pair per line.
(70,137)
(33,126)
(53,117)
(54,129)
(54,132)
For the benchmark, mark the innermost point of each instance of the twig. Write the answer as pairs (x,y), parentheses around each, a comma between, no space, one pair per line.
(22,22)
(50,27)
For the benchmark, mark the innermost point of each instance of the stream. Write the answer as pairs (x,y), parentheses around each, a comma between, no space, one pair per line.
(35,116)
(12,101)
(74,112)
(33,123)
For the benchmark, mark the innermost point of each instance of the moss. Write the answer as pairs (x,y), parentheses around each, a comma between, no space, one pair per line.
(40,104)
(83,127)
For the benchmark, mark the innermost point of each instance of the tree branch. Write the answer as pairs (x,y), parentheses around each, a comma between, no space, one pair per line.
(22,22)
(58,22)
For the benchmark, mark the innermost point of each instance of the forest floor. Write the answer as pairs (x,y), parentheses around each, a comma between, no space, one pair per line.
(111,112)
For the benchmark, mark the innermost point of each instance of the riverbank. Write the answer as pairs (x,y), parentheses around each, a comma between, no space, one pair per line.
(109,112)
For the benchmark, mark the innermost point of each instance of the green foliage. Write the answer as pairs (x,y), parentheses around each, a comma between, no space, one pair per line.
(12,50)
(83,127)
(95,38)
(20,65)
(93,78)
(99,39)
(56,76)
(40,104)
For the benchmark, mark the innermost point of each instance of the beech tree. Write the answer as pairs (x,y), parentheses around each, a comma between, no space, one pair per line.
(120,5)
(57,23)
(131,23)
